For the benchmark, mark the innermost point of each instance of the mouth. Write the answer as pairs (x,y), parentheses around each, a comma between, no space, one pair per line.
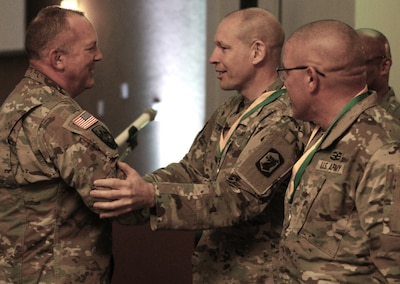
(220,73)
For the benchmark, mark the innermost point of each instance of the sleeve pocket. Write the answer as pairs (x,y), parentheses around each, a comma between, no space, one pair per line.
(392,186)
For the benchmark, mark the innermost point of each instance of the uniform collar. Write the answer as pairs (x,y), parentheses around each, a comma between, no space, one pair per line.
(42,79)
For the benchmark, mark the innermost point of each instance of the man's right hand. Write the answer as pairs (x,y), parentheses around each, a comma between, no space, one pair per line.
(124,196)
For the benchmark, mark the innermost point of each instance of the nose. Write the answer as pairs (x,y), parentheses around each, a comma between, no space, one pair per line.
(99,55)
(213,57)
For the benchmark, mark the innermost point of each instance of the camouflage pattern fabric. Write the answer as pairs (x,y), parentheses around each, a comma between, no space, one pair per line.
(51,151)
(237,197)
(343,225)
(391,103)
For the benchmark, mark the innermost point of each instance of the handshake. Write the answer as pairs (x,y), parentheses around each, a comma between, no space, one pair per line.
(124,195)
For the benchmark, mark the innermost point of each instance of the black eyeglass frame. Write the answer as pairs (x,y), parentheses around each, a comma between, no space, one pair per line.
(280,69)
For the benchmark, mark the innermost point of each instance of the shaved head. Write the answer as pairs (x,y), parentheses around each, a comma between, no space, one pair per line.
(331,44)
(259,24)
(374,42)
(378,60)
(336,51)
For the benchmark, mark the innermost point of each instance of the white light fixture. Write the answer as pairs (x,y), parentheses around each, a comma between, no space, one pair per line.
(69,4)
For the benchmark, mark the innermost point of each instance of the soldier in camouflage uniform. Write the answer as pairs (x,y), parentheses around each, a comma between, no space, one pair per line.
(51,151)
(234,191)
(342,206)
(379,61)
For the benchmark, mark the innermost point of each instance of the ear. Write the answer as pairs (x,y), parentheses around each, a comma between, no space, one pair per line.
(313,79)
(385,67)
(258,50)
(56,59)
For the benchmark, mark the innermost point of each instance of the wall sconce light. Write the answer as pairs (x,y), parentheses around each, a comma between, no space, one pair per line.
(69,4)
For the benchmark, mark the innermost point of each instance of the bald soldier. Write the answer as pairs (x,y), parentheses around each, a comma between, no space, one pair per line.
(342,205)
(232,180)
(379,62)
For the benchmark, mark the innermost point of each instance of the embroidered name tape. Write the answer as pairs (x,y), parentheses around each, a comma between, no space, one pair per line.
(85,120)
(331,167)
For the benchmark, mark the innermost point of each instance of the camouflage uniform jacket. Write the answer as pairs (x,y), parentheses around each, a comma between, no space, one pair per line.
(49,160)
(229,194)
(343,224)
(391,103)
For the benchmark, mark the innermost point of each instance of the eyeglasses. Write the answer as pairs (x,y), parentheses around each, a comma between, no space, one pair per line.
(368,61)
(281,70)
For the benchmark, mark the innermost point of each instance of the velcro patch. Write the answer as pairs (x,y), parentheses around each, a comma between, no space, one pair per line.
(331,167)
(85,120)
(105,136)
(260,168)
(269,162)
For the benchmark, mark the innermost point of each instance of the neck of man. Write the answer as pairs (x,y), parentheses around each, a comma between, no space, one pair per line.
(268,85)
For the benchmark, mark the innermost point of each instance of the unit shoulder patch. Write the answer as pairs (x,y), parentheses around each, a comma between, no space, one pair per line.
(105,136)
(269,162)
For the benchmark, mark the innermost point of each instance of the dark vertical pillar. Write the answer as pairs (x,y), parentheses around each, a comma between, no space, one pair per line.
(280,11)
(248,3)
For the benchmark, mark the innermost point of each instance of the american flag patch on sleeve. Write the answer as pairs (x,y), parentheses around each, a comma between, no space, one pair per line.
(85,120)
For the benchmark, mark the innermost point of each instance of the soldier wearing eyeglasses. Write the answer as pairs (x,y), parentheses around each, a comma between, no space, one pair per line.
(342,205)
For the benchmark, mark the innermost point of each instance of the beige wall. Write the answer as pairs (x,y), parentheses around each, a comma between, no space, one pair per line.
(296,13)
(383,16)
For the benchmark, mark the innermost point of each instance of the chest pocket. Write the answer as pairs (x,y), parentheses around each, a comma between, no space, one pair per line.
(317,219)
(8,158)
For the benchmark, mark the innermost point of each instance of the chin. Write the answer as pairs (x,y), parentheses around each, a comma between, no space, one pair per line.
(296,114)
(90,84)
(226,87)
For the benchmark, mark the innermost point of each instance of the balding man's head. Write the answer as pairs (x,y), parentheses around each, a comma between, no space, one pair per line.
(324,68)
(375,43)
(331,45)
(259,24)
(248,46)
(378,60)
